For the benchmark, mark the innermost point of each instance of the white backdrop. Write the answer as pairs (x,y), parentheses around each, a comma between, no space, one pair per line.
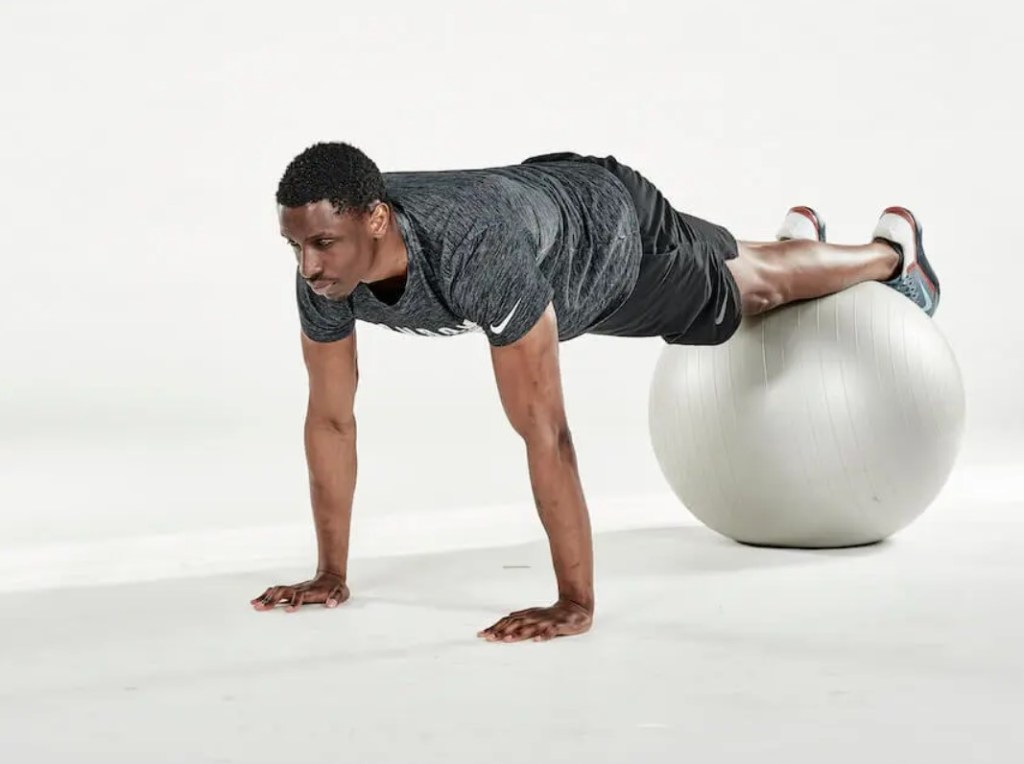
(151,375)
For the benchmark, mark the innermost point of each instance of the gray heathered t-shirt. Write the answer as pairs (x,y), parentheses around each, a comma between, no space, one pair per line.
(490,248)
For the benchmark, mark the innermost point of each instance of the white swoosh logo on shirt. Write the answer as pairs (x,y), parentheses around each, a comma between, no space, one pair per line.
(499,328)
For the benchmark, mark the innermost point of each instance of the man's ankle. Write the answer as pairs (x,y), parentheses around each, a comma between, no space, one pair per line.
(898,250)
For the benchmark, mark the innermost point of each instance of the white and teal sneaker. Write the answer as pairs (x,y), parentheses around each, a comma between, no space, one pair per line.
(914,276)
(802,223)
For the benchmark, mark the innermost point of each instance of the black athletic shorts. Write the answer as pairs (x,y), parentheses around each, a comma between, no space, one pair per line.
(684,293)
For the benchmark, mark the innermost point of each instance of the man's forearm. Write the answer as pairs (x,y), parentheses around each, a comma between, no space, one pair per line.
(558,494)
(331,459)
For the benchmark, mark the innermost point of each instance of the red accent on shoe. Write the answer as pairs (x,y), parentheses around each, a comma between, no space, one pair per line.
(904,213)
(808,213)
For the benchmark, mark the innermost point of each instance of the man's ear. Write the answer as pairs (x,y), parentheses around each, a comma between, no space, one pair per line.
(380,218)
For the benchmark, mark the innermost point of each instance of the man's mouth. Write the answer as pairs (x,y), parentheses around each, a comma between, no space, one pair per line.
(321,287)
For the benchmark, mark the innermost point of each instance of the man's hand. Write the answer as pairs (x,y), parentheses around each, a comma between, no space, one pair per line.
(325,589)
(562,619)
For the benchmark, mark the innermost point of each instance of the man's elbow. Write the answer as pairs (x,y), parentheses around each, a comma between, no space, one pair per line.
(553,437)
(345,426)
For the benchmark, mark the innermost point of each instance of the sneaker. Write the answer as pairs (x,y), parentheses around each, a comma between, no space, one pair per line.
(914,275)
(802,223)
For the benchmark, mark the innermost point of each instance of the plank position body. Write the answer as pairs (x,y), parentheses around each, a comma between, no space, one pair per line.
(531,254)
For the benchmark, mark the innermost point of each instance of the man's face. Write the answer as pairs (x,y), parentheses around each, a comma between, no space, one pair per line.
(334,252)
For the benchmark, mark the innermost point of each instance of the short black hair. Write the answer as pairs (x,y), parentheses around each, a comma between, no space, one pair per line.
(337,172)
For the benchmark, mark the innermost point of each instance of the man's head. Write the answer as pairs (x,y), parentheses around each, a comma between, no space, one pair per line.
(331,210)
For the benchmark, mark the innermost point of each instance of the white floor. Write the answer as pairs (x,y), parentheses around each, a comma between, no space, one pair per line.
(703,650)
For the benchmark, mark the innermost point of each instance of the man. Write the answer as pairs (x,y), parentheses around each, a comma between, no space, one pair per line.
(531,255)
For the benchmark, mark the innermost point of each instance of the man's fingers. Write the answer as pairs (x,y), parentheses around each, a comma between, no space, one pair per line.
(538,624)
(297,595)
(334,598)
(296,601)
(513,627)
(520,628)
(534,623)
(526,630)
(262,602)
(494,632)
(493,629)
(508,633)
(500,629)
(549,631)
(275,595)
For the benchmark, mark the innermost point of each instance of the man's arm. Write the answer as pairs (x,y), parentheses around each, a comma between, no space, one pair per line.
(330,444)
(530,386)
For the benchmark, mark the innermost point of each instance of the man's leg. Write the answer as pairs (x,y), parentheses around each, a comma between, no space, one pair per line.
(771,274)
(801,266)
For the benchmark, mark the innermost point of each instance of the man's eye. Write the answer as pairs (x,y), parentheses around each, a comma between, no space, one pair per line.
(323,243)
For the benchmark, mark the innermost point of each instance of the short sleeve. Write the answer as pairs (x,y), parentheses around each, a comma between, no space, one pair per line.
(322,320)
(497,284)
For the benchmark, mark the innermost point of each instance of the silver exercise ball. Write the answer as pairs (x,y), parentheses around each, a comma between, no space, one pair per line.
(827,423)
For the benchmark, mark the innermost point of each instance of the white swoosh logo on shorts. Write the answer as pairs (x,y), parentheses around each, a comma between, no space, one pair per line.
(721,313)
(499,328)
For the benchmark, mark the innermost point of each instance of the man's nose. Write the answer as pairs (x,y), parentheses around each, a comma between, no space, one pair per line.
(309,265)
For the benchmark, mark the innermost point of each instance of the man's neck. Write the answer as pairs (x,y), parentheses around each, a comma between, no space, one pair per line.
(392,258)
